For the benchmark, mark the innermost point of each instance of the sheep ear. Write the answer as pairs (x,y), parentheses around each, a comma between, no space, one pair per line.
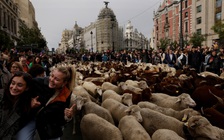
(99,91)
(128,111)
(122,96)
(178,100)
(84,99)
(194,124)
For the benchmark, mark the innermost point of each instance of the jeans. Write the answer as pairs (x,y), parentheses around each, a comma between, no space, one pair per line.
(27,132)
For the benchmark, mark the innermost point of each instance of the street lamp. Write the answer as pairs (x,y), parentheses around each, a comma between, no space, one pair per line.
(181,28)
(112,26)
(91,33)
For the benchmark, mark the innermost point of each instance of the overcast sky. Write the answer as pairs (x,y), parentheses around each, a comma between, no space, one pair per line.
(53,16)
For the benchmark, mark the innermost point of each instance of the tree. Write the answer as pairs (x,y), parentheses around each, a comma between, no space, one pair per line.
(219,29)
(196,39)
(163,43)
(31,37)
(5,41)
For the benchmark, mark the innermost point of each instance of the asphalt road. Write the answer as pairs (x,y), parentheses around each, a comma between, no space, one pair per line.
(67,134)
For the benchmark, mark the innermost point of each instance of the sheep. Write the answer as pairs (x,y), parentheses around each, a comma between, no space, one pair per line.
(92,89)
(119,110)
(165,134)
(130,88)
(108,85)
(131,129)
(138,84)
(94,127)
(182,115)
(196,126)
(80,90)
(90,107)
(126,98)
(175,102)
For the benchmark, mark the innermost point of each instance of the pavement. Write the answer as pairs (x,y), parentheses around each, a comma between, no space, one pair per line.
(67,132)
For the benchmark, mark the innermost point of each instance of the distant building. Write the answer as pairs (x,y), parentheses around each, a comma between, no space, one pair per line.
(167,21)
(134,39)
(198,16)
(205,14)
(104,35)
(9,19)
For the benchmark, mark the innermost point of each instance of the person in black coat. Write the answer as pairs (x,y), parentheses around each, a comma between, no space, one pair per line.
(194,59)
(15,108)
(170,58)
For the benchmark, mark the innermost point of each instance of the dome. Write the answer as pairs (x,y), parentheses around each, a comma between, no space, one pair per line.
(106,13)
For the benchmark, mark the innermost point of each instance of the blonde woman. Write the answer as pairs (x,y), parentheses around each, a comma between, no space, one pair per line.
(52,99)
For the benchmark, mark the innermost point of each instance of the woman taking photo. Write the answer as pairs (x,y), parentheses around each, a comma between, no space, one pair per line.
(15,105)
(52,98)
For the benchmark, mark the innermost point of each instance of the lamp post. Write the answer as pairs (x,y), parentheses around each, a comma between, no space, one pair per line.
(181,28)
(112,30)
(91,33)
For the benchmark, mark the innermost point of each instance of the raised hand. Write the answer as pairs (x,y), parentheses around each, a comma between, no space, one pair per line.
(35,103)
(69,112)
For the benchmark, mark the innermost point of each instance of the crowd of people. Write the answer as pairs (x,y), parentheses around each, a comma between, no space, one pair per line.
(200,58)
(35,90)
(33,97)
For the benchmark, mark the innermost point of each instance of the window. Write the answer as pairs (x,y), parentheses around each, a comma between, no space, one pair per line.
(186,3)
(199,31)
(198,20)
(218,3)
(218,16)
(186,27)
(186,14)
(167,20)
(199,9)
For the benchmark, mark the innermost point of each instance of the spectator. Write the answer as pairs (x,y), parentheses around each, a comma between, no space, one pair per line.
(15,66)
(15,105)
(194,59)
(183,59)
(37,60)
(22,60)
(170,58)
(214,63)
(37,71)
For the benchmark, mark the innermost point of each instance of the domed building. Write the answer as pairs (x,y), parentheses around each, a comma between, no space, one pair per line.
(107,30)
(104,35)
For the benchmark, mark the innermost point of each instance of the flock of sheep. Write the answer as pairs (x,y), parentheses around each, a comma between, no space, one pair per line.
(110,112)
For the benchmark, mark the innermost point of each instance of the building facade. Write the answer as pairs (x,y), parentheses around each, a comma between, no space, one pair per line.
(105,35)
(198,16)
(167,21)
(205,15)
(16,13)
(134,39)
(26,13)
(9,19)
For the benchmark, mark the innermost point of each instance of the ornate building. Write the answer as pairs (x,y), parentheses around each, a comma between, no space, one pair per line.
(104,35)
(9,19)
(16,13)
(167,21)
(198,16)
(26,13)
(133,39)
